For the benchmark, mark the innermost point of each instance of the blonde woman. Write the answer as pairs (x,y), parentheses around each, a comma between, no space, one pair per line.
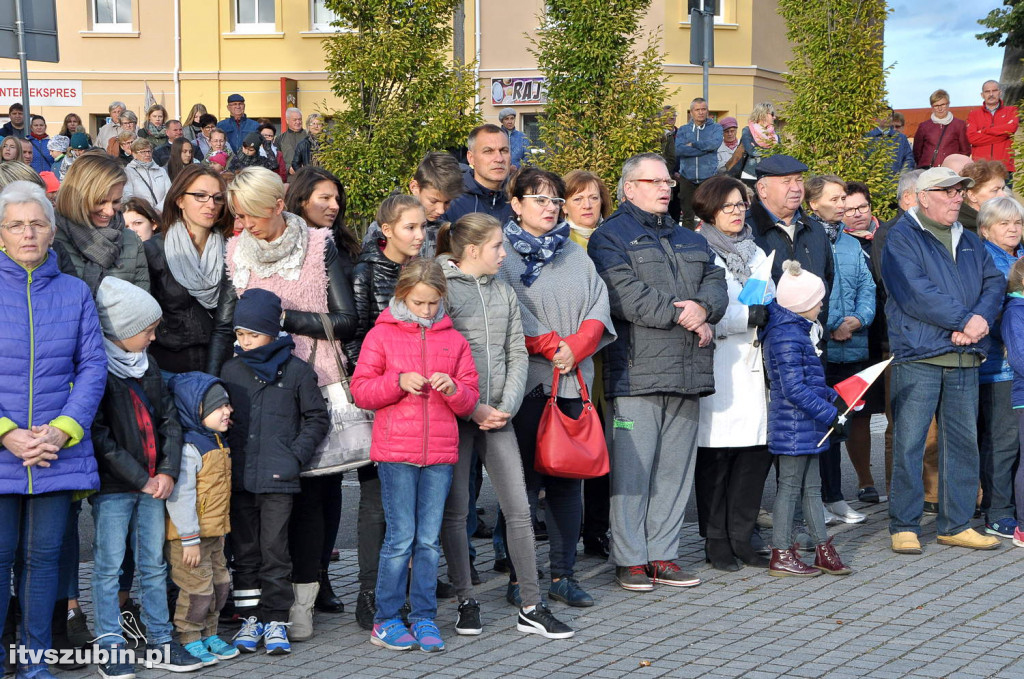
(193,128)
(758,137)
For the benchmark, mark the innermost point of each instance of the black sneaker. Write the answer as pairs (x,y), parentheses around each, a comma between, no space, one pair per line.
(131,621)
(541,621)
(366,609)
(79,633)
(174,659)
(469,623)
(444,590)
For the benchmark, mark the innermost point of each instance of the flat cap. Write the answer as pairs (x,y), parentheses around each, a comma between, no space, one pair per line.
(236,98)
(779,166)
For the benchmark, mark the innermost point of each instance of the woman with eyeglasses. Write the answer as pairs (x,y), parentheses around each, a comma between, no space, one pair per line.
(851,309)
(566,320)
(989,182)
(732,455)
(146,179)
(187,274)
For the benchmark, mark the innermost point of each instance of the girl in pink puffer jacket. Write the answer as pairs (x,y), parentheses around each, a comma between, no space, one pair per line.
(418,373)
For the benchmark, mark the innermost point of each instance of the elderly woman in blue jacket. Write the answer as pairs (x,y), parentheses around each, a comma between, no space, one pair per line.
(53,351)
(851,309)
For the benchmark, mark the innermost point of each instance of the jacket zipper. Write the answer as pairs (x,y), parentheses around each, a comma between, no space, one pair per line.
(487,342)
(31,365)
(426,399)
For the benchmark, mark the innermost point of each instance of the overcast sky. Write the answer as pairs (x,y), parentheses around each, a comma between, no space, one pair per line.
(931,44)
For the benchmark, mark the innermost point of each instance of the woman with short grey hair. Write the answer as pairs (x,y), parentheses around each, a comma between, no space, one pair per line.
(306,150)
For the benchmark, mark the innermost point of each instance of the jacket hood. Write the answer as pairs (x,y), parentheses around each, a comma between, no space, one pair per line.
(453,272)
(189,389)
(12,271)
(443,323)
(471,185)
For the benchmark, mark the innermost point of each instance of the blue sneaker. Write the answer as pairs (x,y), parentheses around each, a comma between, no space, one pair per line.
(220,648)
(568,591)
(275,638)
(247,640)
(513,596)
(392,634)
(428,636)
(1003,528)
(199,650)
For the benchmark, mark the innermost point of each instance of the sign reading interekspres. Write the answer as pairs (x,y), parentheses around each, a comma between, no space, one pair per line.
(42,92)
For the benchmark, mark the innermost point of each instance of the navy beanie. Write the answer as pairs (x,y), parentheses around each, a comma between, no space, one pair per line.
(259,310)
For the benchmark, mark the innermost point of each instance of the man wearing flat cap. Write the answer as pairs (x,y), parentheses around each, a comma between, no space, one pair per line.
(517,141)
(778,223)
(944,293)
(237,126)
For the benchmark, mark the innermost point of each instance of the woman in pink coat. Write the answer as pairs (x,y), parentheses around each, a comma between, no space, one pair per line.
(417,372)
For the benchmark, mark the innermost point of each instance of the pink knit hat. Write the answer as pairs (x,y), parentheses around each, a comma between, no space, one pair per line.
(798,290)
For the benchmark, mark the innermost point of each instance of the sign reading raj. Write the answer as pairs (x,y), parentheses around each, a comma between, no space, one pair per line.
(42,92)
(518,91)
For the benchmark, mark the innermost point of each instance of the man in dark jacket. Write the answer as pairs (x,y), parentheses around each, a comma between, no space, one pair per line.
(780,226)
(944,293)
(665,291)
(490,159)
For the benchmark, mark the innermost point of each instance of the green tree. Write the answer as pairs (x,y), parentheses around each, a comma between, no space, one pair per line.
(838,85)
(404,95)
(1005,25)
(605,89)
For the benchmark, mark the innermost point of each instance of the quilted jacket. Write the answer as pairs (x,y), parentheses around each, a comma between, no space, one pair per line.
(373,282)
(1013,332)
(417,429)
(54,369)
(800,409)
(853,294)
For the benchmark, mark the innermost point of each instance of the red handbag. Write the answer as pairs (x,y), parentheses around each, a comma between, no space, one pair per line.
(568,448)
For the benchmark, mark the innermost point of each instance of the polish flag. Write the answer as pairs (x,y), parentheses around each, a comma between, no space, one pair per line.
(852,389)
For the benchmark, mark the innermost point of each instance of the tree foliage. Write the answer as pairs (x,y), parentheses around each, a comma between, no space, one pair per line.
(1005,25)
(605,89)
(838,85)
(404,96)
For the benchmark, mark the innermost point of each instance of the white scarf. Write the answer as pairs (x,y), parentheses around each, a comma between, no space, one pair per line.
(283,256)
(943,121)
(582,230)
(200,276)
(125,364)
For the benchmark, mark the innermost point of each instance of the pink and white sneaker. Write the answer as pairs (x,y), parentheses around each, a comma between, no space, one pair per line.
(1018,537)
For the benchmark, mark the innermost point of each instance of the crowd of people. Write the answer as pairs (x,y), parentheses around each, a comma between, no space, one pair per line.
(172,287)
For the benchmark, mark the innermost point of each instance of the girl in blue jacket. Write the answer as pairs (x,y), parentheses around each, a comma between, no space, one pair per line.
(1012,328)
(800,413)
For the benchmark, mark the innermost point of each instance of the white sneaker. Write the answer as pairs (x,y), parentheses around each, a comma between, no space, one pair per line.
(844,513)
(831,519)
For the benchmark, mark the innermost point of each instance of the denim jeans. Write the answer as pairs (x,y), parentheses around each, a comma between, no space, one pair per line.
(919,392)
(998,446)
(67,583)
(413,499)
(34,526)
(798,475)
(143,518)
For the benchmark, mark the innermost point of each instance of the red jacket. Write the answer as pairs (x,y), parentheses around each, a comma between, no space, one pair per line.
(991,134)
(927,138)
(418,429)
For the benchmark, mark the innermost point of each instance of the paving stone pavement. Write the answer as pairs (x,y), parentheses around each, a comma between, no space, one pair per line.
(949,612)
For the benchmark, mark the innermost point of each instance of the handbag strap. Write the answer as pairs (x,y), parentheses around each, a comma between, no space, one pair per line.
(938,144)
(584,392)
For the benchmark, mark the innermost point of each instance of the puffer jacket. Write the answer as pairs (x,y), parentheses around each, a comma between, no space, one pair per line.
(485,311)
(800,408)
(418,429)
(1013,332)
(853,294)
(150,183)
(123,465)
(996,367)
(478,198)
(931,295)
(190,337)
(267,459)
(649,262)
(42,161)
(373,282)
(131,265)
(54,371)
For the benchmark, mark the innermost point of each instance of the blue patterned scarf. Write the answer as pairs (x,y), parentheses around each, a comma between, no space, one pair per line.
(536,251)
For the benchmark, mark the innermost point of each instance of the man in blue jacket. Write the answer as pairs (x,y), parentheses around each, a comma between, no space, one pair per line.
(490,160)
(944,293)
(237,126)
(697,145)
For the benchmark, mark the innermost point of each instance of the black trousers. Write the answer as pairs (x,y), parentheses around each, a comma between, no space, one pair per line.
(370,528)
(728,484)
(313,528)
(686,190)
(259,543)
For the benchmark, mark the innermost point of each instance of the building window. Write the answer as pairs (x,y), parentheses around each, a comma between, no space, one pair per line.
(254,16)
(112,15)
(321,17)
(696,3)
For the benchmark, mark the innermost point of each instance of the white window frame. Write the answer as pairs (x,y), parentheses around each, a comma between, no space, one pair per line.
(719,15)
(126,26)
(256,27)
(320,27)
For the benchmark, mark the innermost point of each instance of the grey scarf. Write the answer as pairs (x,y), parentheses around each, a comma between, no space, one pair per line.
(125,364)
(199,275)
(737,250)
(100,246)
(401,312)
(283,256)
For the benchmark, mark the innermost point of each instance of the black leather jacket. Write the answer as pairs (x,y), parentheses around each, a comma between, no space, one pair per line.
(373,282)
(190,336)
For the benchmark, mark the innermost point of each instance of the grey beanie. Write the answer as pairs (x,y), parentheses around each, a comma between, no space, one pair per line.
(125,309)
(58,142)
(506,112)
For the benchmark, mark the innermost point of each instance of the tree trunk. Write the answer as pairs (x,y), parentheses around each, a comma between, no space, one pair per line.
(1012,74)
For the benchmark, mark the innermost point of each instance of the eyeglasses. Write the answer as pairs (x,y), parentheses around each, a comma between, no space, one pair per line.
(859,210)
(543,201)
(670,183)
(730,208)
(218,198)
(19,228)
(145,151)
(950,191)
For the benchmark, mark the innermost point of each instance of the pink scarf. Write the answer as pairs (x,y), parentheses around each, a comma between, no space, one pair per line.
(764,136)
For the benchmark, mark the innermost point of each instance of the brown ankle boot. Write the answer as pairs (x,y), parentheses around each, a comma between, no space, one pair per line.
(786,563)
(826,559)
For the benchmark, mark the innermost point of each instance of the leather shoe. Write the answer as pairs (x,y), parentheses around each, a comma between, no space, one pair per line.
(969,538)
(326,600)
(719,554)
(931,508)
(596,547)
(748,556)
(786,563)
(826,560)
(906,542)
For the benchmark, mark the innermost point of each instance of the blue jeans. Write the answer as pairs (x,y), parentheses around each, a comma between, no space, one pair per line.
(34,526)
(919,392)
(142,518)
(413,499)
